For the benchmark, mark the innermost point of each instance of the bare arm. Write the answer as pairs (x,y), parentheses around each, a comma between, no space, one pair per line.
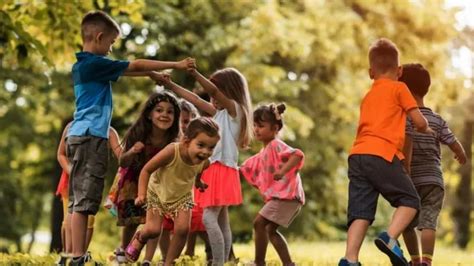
(126,158)
(162,158)
(61,153)
(407,152)
(114,142)
(459,153)
(144,65)
(184,93)
(419,121)
(294,159)
(198,182)
(214,92)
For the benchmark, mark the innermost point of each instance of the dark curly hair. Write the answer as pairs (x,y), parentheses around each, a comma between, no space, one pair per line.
(417,79)
(270,113)
(142,127)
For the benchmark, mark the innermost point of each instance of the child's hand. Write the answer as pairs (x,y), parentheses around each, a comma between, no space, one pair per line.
(137,147)
(461,159)
(160,78)
(140,200)
(278,175)
(201,186)
(186,63)
(430,131)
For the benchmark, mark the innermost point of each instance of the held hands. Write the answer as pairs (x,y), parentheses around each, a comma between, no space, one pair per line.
(201,186)
(186,63)
(137,147)
(140,200)
(160,78)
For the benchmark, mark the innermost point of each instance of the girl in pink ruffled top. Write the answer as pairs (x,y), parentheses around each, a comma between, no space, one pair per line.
(274,172)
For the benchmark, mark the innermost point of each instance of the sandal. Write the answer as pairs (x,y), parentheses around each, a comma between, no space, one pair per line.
(132,253)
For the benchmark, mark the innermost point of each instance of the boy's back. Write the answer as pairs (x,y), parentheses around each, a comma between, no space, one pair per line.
(381,130)
(426,154)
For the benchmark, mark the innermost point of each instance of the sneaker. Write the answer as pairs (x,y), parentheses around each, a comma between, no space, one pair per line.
(83,260)
(345,262)
(120,256)
(62,260)
(146,263)
(391,249)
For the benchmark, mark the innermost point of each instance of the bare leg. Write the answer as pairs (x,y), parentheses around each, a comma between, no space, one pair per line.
(261,239)
(402,217)
(181,229)
(79,228)
(279,243)
(151,245)
(191,244)
(68,234)
(150,230)
(164,240)
(428,239)
(411,241)
(89,233)
(355,236)
(127,233)
(207,245)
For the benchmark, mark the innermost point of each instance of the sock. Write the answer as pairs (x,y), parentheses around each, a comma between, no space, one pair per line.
(392,242)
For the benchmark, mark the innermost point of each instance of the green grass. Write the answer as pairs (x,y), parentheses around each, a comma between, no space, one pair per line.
(304,253)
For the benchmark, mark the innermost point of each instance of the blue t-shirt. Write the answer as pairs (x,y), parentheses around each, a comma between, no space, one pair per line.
(92,75)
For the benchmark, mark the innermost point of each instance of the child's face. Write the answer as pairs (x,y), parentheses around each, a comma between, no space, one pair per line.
(162,115)
(201,147)
(264,131)
(105,41)
(184,119)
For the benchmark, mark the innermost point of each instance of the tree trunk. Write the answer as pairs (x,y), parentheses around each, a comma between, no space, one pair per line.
(463,195)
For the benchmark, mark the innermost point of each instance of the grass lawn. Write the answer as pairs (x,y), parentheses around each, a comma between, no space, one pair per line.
(304,253)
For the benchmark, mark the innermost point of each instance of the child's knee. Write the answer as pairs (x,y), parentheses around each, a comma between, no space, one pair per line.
(259,223)
(153,231)
(181,232)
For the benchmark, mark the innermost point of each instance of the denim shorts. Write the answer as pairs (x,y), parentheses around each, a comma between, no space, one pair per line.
(369,176)
(88,156)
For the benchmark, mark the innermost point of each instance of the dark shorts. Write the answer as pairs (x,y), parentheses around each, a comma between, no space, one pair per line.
(431,197)
(369,176)
(88,156)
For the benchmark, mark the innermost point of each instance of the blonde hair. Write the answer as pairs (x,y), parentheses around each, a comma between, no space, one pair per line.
(234,86)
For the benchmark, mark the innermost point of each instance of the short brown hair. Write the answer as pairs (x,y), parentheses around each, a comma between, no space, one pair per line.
(202,124)
(417,79)
(97,21)
(270,113)
(383,56)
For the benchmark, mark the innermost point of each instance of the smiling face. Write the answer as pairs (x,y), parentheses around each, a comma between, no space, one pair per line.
(265,131)
(162,115)
(200,148)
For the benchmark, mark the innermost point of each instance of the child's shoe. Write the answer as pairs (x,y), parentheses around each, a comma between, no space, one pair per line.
(146,263)
(119,254)
(62,260)
(391,248)
(345,262)
(132,253)
(85,259)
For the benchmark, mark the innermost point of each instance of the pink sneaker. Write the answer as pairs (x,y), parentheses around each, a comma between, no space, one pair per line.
(133,252)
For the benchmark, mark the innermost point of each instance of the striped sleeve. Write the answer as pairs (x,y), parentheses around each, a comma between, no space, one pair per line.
(445,134)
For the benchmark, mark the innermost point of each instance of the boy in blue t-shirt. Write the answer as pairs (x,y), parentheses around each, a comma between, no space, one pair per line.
(88,134)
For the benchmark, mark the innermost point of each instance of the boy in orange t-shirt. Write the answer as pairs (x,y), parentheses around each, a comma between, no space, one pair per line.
(375,159)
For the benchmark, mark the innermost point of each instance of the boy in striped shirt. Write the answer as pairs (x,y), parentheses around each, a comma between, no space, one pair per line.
(423,162)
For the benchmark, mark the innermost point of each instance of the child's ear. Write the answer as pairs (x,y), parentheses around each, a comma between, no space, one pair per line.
(399,72)
(99,36)
(371,73)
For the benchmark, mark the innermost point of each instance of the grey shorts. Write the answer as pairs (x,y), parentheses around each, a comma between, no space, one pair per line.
(432,197)
(369,176)
(88,156)
(281,212)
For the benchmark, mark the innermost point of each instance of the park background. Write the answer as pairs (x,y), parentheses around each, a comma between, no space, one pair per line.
(310,54)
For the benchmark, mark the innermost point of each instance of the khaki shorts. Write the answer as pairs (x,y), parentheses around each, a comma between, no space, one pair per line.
(432,197)
(281,212)
(88,156)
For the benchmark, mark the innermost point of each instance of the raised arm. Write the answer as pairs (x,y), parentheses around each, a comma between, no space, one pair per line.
(293,160)
(141,67)
(214,92)
(114,143)
(459,153)
(184,93)
(419,121)
(162,158)
(61,153)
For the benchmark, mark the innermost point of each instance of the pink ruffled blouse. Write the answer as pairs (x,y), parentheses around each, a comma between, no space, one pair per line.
(259,169)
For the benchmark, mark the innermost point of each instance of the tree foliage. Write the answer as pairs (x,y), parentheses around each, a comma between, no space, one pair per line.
(311,54)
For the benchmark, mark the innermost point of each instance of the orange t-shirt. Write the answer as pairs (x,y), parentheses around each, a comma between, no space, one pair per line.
(381,130)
